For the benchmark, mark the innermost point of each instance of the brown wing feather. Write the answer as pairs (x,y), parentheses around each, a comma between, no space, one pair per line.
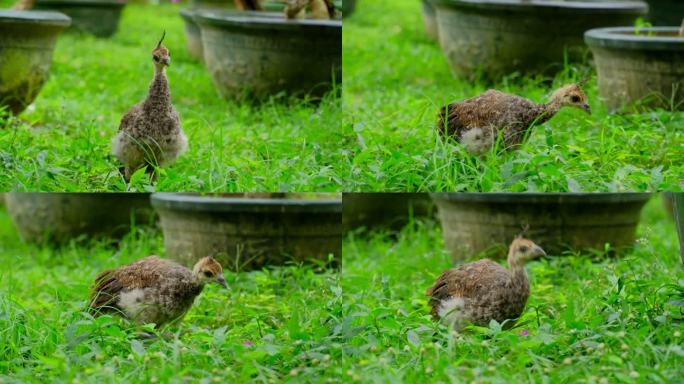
(109,284)
(468,280)
(249,5)
(129,117)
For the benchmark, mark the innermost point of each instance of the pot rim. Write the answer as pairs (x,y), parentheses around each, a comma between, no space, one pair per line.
(51,18)
(193,203)
(543,198)
(624,38)
(260,20)
(536,5)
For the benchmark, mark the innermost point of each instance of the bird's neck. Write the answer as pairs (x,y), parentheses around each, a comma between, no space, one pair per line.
(547,111)
(519,277)
(159,96)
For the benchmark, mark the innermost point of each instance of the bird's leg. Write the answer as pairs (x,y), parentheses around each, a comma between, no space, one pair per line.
(128,172)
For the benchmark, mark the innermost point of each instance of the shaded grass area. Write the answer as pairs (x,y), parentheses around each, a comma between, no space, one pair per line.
(601,321)
(274,325)
(396,79)
(63,142)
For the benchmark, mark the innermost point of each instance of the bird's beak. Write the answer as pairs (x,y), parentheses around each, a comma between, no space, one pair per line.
(586,108)
(222,281)
(537,251)
(166,61)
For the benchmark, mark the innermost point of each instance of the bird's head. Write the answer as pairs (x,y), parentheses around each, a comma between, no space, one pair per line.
(208,270)
(161,55)
(523,250)
(571,96)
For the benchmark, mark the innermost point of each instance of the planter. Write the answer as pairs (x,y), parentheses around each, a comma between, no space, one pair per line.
(348,7)
(97,17)
(258,54)
(249,233)
(475,223)
(648,70)
(383,210)
(665,12)
(493,38)
(27,39)
(58,217)
(192,34)
(678,200)
(430,20)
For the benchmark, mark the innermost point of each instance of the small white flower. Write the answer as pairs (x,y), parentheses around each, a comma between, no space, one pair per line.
(601,346)
(677,334)
(603,381)
(634,374)
(294,372)
(567,361)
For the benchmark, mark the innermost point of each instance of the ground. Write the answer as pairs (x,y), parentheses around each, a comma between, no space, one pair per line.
(588,319)
(274,325)
(63,142)
(396,79)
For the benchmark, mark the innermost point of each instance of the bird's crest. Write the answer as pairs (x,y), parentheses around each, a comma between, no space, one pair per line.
(162,39)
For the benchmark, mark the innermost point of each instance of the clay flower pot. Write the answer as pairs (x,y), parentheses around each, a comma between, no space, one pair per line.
(494,38)
(27,40)
(430,20)
(384,210)
(249,233)
(59,217)
(475,223)
(97,17)
(259,54)
(647,69)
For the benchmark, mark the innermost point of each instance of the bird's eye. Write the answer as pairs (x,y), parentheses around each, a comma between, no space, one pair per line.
(523,248)
(575,99)
(208,273)
(155,58)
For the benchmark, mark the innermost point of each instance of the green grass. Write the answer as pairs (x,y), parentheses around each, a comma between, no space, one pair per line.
(287,314)
(396,79)
(63,143)
(610,321)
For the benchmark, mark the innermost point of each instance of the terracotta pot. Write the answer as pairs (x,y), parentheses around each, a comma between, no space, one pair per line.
(97,17)
(259,54)
(59,217)
(250,233)
(645,69)
(27,40)
(383,210)
(486,223)
(493,38)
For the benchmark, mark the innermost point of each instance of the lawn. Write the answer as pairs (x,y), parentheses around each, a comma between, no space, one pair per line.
(587,321)
(396,79)
(63,142)
(274,325)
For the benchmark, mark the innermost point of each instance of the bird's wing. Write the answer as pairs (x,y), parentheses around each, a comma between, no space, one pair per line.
(129,118)
(108,285)
(466,281)
(493,109)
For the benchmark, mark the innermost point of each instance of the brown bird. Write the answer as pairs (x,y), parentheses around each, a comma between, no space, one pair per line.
(24,5)
(477,122)
(320,9)
(151,132)
(249,5)
(152,290)
(478,292)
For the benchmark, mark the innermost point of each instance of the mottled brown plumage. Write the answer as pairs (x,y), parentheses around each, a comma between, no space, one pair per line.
(24,5)
(478,122)
(319,9)
(249,5)
(151,132)
(482,291)
(152,290)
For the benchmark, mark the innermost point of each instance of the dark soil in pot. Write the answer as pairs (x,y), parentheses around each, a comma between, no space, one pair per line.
(60,217)
(493,38)
(259,54)
(97,17)
(474,223)
(250,233)
(27,40)
(389,211)
(645,69)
